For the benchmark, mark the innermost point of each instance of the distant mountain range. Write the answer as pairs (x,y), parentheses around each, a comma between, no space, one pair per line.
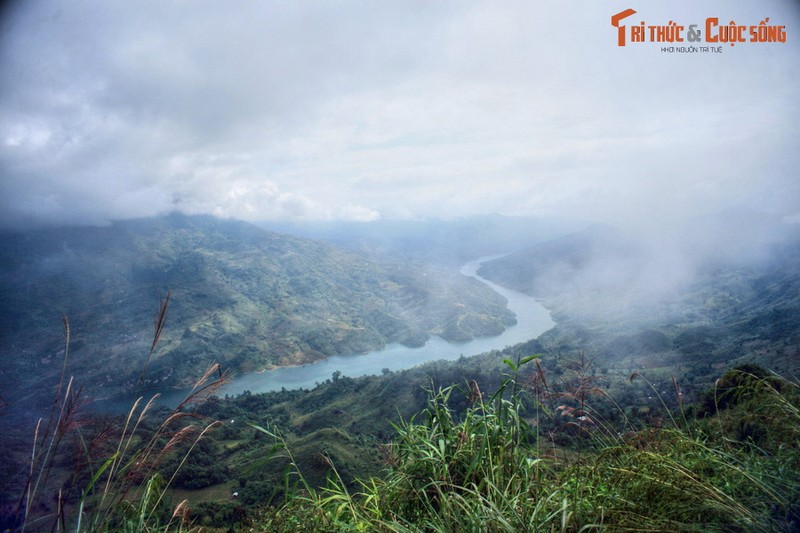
(433,240)
(604,262)
(699,302)
(242,296)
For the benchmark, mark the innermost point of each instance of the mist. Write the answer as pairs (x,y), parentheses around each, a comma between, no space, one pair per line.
(642,202)
(399,111)
(623,277)
(435,132)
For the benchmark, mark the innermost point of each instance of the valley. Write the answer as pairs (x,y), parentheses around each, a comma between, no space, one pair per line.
(532,319)
(399,267)
(242,296)
(626,359)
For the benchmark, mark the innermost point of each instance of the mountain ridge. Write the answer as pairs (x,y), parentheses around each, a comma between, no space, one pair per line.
(240,295)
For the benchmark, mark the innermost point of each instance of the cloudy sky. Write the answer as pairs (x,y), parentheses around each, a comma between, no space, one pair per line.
(359,110)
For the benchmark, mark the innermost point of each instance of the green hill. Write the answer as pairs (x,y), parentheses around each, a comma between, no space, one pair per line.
(240,295)
(631,306)
(627,419)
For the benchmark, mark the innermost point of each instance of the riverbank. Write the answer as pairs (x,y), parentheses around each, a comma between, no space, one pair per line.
(533,319)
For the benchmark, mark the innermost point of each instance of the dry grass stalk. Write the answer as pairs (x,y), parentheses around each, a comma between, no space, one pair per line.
(130,461)
(183,435)
(182,512)
(203,389)
(160,320)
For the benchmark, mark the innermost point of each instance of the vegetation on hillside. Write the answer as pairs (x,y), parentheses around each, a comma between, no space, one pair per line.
(488,470)
(498,442)
(626,308)
(242,296)
(533,453)
(619,423)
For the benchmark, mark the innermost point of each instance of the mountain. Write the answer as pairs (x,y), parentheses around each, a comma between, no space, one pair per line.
(433,240)
(239,295)
(555,266)
(603,270)
(699,303)
(641,374)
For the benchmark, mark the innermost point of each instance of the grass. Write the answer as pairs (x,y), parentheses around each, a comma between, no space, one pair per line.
(732,464)
(119,467)
(485,471)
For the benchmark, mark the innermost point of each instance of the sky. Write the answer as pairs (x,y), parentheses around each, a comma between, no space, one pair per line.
(367,110)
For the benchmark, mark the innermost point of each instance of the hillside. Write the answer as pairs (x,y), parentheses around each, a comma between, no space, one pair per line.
(435,241)
(554,266)
(625,418)
(240,295)
(626,307)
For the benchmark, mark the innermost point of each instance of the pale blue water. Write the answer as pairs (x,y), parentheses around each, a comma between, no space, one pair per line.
(532,320)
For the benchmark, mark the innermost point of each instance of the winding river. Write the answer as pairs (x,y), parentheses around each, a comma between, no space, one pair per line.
(532,320)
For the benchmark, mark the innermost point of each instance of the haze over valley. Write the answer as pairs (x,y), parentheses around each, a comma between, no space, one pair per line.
(251,299)
(197,193)
(240,296)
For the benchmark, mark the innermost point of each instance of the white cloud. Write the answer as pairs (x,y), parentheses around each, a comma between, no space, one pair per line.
(354,110)
(358,213)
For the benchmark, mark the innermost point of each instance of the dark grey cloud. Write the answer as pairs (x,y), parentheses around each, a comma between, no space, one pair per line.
(360,110)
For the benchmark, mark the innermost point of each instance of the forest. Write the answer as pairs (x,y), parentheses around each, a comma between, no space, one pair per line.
(683,418)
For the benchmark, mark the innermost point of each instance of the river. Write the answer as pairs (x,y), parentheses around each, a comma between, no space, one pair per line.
(532,320)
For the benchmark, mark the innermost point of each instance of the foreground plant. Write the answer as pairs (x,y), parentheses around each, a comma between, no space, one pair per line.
(479,473)
(119,466)
(484,471)
(129,487)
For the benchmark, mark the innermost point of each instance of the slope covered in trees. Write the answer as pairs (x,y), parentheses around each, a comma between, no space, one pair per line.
(240,295)
(624,419)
